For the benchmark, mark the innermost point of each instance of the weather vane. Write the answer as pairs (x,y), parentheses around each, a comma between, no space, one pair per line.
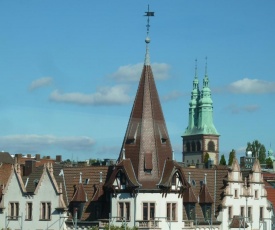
(148,14)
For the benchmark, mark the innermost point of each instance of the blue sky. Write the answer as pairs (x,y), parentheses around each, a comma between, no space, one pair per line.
(69,71)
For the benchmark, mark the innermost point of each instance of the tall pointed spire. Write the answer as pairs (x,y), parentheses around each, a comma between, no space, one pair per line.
(146,140)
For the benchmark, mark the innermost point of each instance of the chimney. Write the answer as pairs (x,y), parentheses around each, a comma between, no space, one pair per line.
(29,155)
(18,157)
(37,157)
(29,167)
(58,158)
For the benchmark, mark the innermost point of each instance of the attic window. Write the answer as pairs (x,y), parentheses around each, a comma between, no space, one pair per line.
(162,133)
(87,181)
(35,182)
(148,164)
(132,133)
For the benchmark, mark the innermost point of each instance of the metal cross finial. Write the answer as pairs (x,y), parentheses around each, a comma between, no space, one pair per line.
(148,14)
(206,65)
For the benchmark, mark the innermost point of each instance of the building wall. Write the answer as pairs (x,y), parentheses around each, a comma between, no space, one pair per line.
(46,193)
(161,202)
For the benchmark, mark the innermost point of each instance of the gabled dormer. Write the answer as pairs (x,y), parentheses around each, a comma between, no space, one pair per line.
(172,179)
(123,178)
(235,174)
(205,199)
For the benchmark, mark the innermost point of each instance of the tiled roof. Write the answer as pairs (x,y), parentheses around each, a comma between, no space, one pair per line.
(205,196)
(5,172)
(92,186)
(6,158)
(146,135)
(80,194)
(35,177)
(215,185)
(268,178)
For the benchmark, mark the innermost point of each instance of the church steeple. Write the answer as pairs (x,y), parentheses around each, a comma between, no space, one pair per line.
(200,135)
(146,140)
(206,125)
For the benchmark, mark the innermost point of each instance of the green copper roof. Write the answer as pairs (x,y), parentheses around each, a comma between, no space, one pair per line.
(200,109)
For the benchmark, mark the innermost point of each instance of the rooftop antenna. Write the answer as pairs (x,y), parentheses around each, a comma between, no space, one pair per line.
(148,14)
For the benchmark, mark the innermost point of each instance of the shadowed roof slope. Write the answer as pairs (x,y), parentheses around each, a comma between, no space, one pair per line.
(146,141)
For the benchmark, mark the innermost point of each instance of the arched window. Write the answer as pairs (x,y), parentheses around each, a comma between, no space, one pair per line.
(193,146)
(211,146)
(198,146)
(188,146)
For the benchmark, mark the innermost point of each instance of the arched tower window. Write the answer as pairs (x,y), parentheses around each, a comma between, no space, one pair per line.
(193,146)
(198,146)
(211,146)
(188,146)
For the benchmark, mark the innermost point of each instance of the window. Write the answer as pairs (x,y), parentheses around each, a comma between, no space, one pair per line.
(171,213)
(211,146)
(190,211)
(193,146)
(230,212)
(28,211)
(207,212)
(124,211)
(242,212)
(13,210)
(261,213)
(249,214)
(148,211)
(236,193)
(256,194)
(45,211)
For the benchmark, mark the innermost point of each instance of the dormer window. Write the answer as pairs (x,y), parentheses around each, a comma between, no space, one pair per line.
(132,134)
(206,208)
(148,164)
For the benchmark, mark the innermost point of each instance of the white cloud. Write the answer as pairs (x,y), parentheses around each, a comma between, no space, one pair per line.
(252,86)
(104,96)
(246,108)
(41,82)
(36,143)
(172,96)
(129,73)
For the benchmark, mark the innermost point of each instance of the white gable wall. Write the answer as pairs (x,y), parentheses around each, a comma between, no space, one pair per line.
(45,193)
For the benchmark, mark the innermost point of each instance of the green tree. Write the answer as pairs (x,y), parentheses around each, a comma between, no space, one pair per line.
(232,155)
(269,163)
(222,161)
(206,158)
(258,150)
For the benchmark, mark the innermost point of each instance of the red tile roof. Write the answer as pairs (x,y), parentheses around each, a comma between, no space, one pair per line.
(92,185)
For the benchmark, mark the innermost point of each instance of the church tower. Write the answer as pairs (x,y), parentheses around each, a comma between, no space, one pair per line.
(201,136)
(146,142)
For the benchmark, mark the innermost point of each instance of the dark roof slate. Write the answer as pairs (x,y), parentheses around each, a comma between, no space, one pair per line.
(6,158)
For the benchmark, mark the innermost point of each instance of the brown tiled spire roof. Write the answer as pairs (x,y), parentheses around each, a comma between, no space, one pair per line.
(146,142)
(205,197)
(80,194)
(189,196)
